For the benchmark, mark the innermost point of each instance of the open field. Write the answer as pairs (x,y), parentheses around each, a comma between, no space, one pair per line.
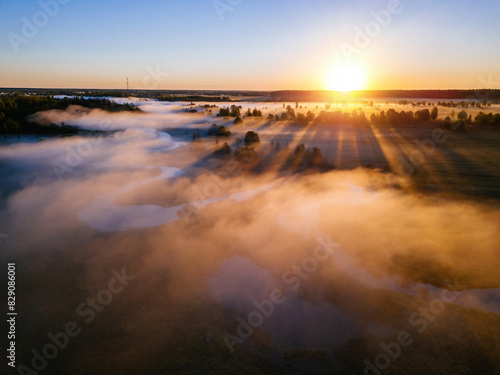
(434,157)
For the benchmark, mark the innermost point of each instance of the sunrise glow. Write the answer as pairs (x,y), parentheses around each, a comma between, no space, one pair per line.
(345,78)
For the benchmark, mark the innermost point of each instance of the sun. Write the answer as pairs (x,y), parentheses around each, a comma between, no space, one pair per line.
(347,77)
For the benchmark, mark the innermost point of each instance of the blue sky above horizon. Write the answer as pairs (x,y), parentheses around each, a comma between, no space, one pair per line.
(257,45)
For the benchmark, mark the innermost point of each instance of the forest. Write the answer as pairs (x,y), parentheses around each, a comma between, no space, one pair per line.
(15,110)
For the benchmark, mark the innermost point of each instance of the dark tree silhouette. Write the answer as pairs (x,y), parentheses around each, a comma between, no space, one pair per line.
(251,137)
(225,150)
(462,115)
(434,113)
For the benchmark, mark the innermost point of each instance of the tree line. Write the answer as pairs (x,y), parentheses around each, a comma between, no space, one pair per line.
(191,98)
(16,108)
(391,117)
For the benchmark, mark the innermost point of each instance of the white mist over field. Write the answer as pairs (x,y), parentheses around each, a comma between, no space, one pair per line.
(194,230)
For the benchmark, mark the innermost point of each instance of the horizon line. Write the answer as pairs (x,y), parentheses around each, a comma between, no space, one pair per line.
(246,90)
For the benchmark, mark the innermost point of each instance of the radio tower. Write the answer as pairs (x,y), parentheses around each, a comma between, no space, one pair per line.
(127,83)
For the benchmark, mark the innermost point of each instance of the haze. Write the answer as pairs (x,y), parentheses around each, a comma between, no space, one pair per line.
(250,187)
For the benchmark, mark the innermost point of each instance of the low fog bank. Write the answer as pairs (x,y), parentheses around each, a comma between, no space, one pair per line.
(368,213)
(97,119)
(385,230)
(186,278)
(232,238)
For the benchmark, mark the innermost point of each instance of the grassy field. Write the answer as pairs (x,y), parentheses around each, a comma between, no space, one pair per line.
(434,157)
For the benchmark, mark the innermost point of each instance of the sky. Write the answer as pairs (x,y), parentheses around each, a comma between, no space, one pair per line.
(249,45)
